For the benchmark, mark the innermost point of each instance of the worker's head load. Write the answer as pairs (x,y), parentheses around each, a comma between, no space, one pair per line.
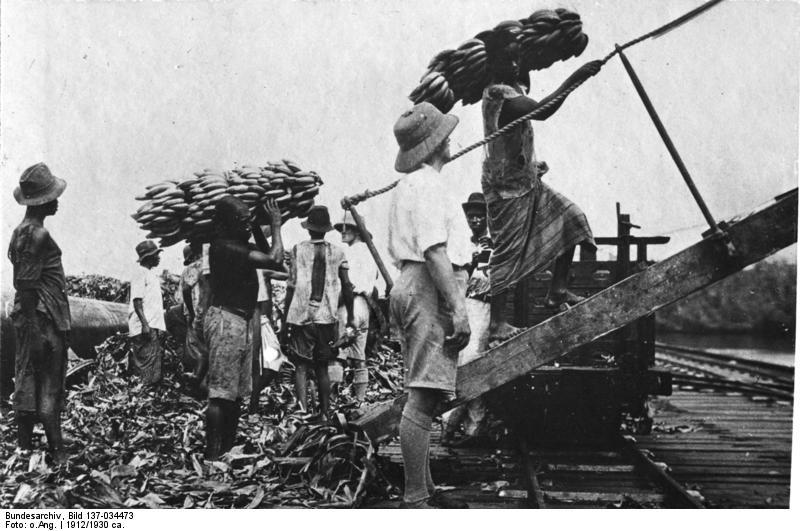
(420,131)
(461,74)
(232,216)
(318,220)
(37,186)
(175,211)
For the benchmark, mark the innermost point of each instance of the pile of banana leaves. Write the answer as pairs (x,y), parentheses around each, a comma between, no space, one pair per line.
(134,446)
(110,289)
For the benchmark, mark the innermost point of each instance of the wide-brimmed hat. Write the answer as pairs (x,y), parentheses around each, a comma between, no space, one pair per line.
(419,131)
(349,221)
(145,249)
(318,220)
(475,200)
(38,186)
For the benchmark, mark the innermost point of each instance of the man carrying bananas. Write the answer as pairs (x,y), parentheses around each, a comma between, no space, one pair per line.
(429,243)
(532,225)
(227,330)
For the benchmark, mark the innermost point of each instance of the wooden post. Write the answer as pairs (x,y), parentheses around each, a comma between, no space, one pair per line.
(668,142)
(370,245)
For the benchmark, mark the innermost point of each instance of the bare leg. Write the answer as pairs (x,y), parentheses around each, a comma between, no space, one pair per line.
(25,422)
(300,385)
(324,388)
(558,293)
(215,425)
(232,412)
(52,428)
(499,328)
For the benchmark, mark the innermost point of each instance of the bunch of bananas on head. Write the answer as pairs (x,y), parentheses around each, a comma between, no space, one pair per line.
(546,36)
(175,211)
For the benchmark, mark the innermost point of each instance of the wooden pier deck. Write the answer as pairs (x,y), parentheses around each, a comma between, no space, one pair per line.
(727,449)
(735,450)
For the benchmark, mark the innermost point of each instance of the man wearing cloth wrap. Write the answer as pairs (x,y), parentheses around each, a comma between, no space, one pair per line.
(226,327)
(426,242)
(532,225)
(41,312)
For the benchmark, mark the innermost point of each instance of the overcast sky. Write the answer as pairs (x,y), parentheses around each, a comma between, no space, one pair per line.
(116,95)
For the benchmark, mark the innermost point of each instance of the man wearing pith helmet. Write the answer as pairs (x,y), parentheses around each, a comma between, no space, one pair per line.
(41,312)
(428,243)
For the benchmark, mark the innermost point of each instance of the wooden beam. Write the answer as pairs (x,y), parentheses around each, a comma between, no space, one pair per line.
(754,237)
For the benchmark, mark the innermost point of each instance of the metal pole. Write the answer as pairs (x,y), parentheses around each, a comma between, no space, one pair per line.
(668,142)
(370,245)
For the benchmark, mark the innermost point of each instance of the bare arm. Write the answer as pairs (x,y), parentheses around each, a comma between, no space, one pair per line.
(522,105)
(27,287)
(269,257)
(139,309)
(441,270)
(347,294)
(187,301)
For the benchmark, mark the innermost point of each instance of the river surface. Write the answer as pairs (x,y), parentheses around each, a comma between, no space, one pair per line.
(780,351)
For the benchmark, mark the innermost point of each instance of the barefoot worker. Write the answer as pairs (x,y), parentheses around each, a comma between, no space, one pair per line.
(318,279)
(532,226)
(41,312)
(146,315)
(226,327)
(427,303)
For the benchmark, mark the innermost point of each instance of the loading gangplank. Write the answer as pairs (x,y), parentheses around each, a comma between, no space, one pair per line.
(743,241)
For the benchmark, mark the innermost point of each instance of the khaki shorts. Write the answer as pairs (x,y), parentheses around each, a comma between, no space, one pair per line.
(423,319)
(310,343)
(230,367)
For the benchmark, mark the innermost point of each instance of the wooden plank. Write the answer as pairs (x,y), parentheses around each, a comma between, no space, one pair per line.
(663,283)
(755,237)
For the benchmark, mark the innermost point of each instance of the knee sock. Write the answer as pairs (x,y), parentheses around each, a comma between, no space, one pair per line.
(415,435)
(360,381)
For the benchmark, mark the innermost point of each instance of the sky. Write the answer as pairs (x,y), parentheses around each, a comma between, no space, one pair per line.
(115,95)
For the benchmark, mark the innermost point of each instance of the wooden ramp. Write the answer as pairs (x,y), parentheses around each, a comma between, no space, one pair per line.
(754,237)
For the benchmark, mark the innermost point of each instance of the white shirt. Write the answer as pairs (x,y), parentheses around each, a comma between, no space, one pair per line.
(363,272)
(146,285)
(424,212)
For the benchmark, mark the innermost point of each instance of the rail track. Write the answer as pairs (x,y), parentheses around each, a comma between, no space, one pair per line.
(705,369)
(723,436)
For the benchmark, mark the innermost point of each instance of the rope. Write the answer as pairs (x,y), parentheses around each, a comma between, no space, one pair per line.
(535,113)
(543,108)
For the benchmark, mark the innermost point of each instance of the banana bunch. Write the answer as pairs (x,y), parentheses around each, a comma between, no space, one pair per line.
(460,74)
(184,210)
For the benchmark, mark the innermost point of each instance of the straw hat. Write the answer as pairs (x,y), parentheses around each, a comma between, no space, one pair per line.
(38,186)
(419,131)
(349,221)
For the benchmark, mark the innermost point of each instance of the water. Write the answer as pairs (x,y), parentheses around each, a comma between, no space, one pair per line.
(772,350)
